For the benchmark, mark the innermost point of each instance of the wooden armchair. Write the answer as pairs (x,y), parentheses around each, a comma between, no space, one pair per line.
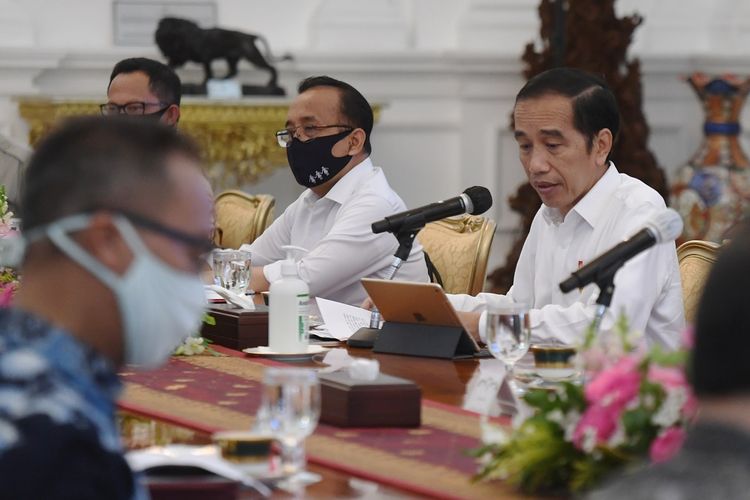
(695,258)
(240,217)
(459,248)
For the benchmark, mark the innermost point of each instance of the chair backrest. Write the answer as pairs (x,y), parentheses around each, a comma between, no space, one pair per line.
(459,248)
(696,258)
(241,217)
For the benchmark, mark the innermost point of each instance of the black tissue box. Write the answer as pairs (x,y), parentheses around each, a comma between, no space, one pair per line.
(237,328)
(386,401)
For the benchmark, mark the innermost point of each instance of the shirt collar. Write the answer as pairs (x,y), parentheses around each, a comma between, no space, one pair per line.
(591,207)
(343,189)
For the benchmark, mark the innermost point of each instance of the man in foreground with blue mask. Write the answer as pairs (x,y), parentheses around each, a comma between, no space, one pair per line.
(145,88)
(327,141)
(116,217)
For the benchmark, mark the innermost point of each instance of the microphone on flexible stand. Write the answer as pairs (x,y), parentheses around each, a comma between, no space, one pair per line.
(405,226)
(663,227)
(474,200)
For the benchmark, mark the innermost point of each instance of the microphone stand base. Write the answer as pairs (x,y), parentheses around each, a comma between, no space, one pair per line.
(364,337)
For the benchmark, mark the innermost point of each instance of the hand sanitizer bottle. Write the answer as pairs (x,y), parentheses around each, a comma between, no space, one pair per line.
(288,300)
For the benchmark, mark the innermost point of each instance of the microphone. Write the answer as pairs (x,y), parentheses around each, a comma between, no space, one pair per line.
(663,227)
(474,200)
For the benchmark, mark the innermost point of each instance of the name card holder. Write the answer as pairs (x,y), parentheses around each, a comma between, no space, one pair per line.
(430,341)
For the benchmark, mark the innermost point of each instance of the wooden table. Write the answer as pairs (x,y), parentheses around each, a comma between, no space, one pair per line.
(443,381)
(440,380)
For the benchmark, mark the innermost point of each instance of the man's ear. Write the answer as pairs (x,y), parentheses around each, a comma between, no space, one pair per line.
(602,145)
(356,142)
(103,241)
(171,116)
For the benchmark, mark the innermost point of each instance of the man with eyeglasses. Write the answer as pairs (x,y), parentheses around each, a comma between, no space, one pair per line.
(327,141)
(115,217)
(143,87)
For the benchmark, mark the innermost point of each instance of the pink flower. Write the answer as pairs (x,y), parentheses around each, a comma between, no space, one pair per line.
(594,359)
(688,337)
(6,294)
(674,378)
(667,444)
(670,378)
(608,394)
(599,419)
(690,408)
(617,385)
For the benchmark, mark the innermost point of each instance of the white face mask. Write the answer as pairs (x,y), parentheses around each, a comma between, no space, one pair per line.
(159,305)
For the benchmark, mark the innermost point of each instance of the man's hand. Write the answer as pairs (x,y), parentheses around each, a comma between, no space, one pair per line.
(258,282)
(470,321)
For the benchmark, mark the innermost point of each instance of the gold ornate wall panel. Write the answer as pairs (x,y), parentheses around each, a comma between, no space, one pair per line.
(237,138)
(238,141)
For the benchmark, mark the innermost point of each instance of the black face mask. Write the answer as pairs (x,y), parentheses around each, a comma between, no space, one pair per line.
(156,116)
(312,162)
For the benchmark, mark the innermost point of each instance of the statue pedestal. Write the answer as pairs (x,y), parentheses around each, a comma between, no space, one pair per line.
(201,90)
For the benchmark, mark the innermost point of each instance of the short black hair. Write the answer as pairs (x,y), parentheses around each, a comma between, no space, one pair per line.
(92,163)
(720,363)
(594,104)
(162,80)
(354,107)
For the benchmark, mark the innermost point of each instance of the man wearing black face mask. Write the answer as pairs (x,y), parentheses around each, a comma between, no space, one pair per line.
(144,87)
(327,139)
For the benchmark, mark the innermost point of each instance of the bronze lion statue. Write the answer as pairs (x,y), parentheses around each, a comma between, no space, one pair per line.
(181,41)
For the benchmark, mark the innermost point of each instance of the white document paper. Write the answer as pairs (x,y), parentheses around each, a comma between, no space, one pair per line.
(341,320)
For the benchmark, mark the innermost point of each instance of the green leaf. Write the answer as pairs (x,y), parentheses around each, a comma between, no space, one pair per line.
(545,401)
(575,397)
(671,358)
(208,319)
(589,470)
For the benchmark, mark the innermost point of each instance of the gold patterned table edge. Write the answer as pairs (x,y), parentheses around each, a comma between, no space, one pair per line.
(383,463)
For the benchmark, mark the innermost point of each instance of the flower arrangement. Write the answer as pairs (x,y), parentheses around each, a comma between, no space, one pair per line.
(197,345)
(635,404)
(8,278)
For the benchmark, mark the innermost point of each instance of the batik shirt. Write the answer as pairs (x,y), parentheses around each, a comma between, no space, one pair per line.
(58,435)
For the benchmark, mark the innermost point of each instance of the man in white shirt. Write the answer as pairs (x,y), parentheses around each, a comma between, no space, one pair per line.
(327,139)
(565,122)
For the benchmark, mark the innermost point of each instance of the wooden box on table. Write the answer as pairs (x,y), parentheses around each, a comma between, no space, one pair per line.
(384,402)
(237,328)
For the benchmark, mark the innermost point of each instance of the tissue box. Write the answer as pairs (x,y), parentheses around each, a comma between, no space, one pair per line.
(384,402)
(237,328)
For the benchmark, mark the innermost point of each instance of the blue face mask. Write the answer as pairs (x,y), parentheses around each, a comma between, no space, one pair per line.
(159,305)
(312,162)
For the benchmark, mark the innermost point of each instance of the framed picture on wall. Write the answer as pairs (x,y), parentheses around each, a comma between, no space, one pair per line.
(134,21)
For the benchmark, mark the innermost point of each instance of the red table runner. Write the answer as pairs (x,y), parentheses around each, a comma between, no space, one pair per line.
(208,394)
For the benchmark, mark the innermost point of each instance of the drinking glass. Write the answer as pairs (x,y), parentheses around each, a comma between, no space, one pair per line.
(508,334)
(232,269)
(289,411)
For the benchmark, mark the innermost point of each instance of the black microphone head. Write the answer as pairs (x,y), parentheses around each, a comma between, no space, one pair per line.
(481,199)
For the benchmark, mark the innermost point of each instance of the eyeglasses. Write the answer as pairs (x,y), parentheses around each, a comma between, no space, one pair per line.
(204,245)
(130,108)
(309,132)
(200,247)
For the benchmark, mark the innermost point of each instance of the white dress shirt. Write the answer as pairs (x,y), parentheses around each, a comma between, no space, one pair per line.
(647,287)
(336,229)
